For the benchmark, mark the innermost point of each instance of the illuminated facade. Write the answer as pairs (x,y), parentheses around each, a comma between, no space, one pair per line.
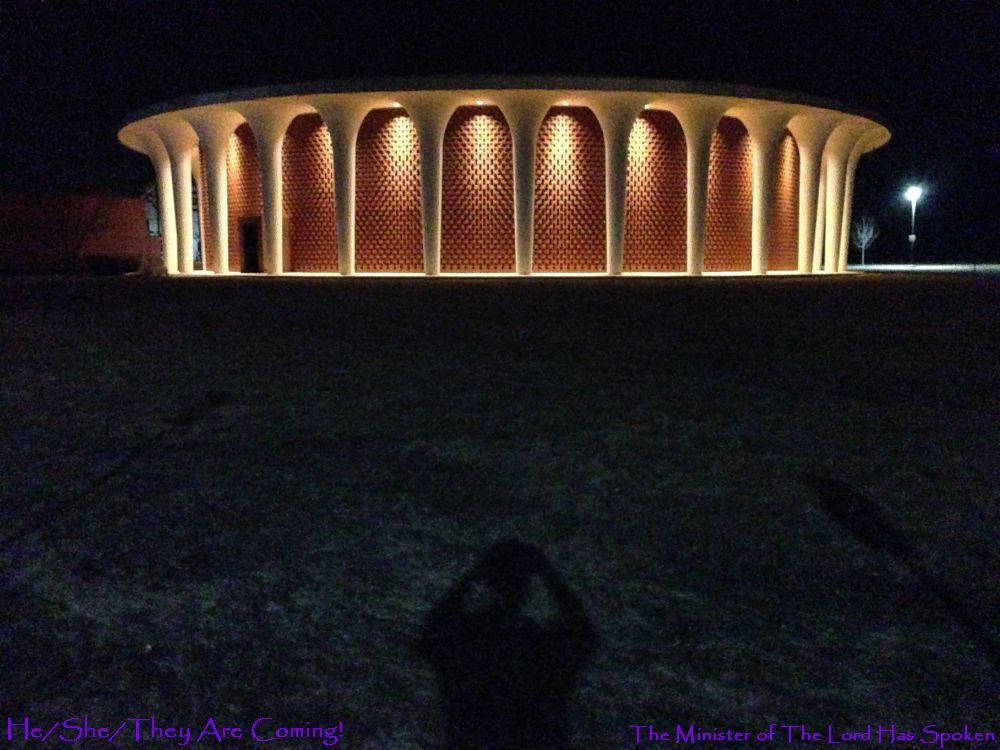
(504,175)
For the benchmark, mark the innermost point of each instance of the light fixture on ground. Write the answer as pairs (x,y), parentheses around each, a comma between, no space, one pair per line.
(912,194)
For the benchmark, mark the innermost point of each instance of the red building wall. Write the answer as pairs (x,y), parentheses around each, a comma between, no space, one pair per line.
(477,194)
(656,195)
(569,193)
(307,194)
(50,232)
(729,212)
(388,228)
(204,213)
(784,244)
(243,193)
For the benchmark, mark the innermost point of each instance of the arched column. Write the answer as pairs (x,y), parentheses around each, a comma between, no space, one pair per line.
(863,145)
(616,113)
(811,132)
(180,139)
(835,157)
(343,117)
(698,118)
(766,126)
(151,145)
(214,128)
(524,112)
(430,114)
(820,225)
(269,120)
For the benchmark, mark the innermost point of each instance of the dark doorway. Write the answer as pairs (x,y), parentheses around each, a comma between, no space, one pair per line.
(250,244)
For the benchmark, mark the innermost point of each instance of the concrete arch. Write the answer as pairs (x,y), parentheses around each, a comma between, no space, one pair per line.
(388,233)
(570,218)
(836,155)
(307,196)
(729,208)
(214,127)
(656,195)
(784,207)
(825,135)
(245,199)
(477,203)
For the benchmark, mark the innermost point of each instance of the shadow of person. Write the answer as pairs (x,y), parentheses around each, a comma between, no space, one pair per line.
(507,642)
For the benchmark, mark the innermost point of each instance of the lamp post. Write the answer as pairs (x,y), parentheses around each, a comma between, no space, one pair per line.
(912,194)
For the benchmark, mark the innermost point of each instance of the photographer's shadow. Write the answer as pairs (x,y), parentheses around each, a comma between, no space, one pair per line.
(507,642)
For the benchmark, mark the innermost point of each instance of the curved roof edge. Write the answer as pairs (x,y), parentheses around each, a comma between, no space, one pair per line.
(447,83)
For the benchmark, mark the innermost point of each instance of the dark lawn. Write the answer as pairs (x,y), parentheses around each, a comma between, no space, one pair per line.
(240,497)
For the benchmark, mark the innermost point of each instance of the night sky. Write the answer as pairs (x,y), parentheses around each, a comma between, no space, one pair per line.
(70,72)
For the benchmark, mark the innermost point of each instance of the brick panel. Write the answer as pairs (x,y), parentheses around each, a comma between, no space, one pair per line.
(729,212)
(569,193)
(656,195)
(388,235)
(243,172)
(44,232)
(477,194)
(784,240)
(307,195)
(204,209)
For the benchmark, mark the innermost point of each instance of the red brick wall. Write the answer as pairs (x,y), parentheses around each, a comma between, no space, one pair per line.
(569,193)
(124,230)
(42,232)
(388,234)
(656,195)
(784,240)
(477,195)
(729,213)
(307,194)
(243,192)
(204,213)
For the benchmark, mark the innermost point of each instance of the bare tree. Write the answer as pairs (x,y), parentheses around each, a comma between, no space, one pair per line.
(863,234)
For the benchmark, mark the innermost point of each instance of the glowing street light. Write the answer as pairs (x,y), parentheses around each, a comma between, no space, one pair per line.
(912,194)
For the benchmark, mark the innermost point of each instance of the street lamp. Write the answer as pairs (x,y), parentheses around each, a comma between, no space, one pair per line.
(912,194)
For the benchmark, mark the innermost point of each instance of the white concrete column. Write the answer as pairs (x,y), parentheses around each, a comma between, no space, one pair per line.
(819,229)
(835,157)
(343,116)
(525,112)
(269,121)
(868,141)
(430,113)
(766,126)
(698,118)
(180,139)
(811,132)
(181,163)
(616,113)
(214,128)
(835,173)
(151,145)
(845,220)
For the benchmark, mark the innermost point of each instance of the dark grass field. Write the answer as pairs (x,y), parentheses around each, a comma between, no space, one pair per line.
(775,498)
